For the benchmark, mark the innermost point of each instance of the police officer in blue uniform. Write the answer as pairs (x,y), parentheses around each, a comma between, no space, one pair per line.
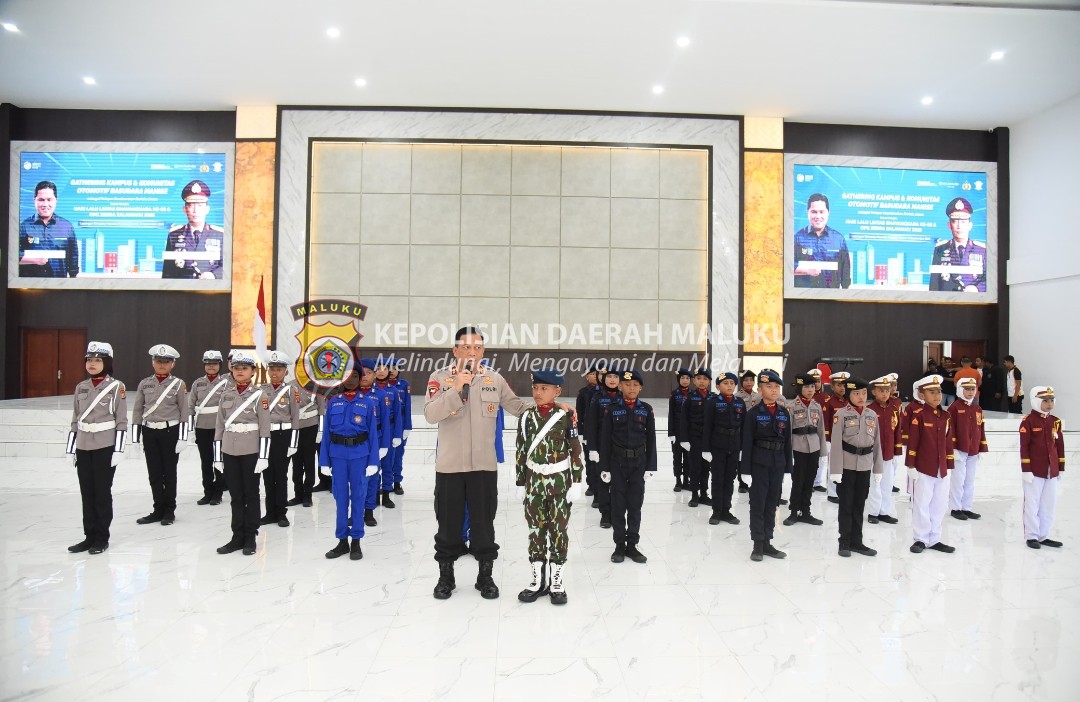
(722,440)
(350,452)
(766,457)
(691,433)
(959,251)
(679,463)
(386,432)
(392,404)
(628,457)
(602,400)
(405,398)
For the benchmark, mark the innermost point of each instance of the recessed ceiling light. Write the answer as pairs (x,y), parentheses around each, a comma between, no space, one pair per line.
(89,80)
(657,89)
(997,55)
(927,100)
(333,32)
(682,42)
(10,27)
(360,82)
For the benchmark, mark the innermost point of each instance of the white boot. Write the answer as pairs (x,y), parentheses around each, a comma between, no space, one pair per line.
(538,586)
(557,592)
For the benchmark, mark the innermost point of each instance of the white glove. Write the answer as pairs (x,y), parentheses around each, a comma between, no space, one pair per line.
(382,453)
(371,470)
(181,444)
(674,443)
(912,474)
(837,477)
(574,493)
(405,435)
(116,456)
(291,451)
(74,460)
(324,470)
(649,474)
(605,476)
(685,445)
(876,477)
(220,465)
(1029,478)
(707,456)
(594,456)
(318,437)
(395,443)
(261,465)
(746,478)
(520,494)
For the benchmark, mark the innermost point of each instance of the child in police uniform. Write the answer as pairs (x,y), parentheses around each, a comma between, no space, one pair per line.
(548,472)
(159,419)
(854,455)
(929,459)
(203,406)
(967,417)
(1042,460)
(98,425)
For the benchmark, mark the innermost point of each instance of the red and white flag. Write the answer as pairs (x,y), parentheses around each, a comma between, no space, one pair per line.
(259,327)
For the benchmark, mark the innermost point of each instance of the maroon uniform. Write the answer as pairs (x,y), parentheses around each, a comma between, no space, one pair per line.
(889,423)
(1042,446)
(931,439)
(969,428)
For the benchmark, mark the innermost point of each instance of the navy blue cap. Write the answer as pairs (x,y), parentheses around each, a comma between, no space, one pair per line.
(684,371)
(703,371)
(631,375)
(749,374)
(804,379)
(768,376)
(548,377)
(958,204)
(597,366)
(854,383)
(368,363)
(728,376)
(610,371)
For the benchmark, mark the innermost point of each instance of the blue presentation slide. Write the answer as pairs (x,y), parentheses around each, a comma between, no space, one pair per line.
(889,229)
(122,215)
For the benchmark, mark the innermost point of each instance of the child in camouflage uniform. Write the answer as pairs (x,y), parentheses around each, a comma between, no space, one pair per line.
(549,472)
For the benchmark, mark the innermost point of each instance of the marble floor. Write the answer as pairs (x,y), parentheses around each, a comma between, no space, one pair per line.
(161,616)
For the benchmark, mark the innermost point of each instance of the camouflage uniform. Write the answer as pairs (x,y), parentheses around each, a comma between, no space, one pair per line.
(546,510)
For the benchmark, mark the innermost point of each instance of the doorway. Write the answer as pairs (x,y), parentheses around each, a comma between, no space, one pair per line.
(52,361)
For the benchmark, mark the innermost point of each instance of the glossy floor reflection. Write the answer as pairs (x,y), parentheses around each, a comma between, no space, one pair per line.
(161,616)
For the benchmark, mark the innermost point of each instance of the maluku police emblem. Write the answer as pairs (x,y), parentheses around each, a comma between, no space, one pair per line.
(328,355)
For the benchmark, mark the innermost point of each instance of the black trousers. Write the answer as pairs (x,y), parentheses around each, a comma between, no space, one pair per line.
(95,485)
(159,445)
(627,496)
(852,491)
(765,486)
(213,480)
(679,464)
(243,484)
(802,482)
(479,489)
(724,468)
(699,468)
(276,475)
(592,471)
(1016,407)
(303,462)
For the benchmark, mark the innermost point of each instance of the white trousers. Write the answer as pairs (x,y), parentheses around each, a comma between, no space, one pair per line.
(880,499)
(962,482)
(822,471)
(929,499)
(1040,497)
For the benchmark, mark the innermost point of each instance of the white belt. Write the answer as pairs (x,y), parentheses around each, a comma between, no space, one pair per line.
(549,468)
(208,410)
(96,426)
(160,425)
(310,414)
(280,427)
(242,428)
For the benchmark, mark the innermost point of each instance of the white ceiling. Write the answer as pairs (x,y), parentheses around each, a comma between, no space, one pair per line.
(841,61)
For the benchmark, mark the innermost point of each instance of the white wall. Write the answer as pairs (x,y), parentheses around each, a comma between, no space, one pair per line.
(1044,265)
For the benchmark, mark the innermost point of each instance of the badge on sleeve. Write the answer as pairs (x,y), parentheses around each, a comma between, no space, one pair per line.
(432,388)
(265,403)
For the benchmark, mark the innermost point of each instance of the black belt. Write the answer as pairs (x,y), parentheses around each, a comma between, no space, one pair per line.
(726,431)
(349,440)
(799,431)
(769,444)
(858,451)
(619,452)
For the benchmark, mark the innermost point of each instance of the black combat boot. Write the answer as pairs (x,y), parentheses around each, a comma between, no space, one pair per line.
(759,551)
(484,582)
(340,550)
(446,585)
(356,554)
(369,518)
(386,501)
(769,550)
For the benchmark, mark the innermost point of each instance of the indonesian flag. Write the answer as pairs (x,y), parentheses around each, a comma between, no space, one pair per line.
(259,327)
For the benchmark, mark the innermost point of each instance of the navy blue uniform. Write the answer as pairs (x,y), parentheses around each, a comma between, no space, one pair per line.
(627,451)
(602,399)
(584,399)
(350,443)
(692,430)
(723,438)
(679,464)
(766,456)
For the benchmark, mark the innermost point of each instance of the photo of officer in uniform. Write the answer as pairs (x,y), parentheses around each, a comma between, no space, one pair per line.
(194,250)
(821,253)
(966,256)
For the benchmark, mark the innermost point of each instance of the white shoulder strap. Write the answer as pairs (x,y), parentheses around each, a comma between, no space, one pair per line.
(206,400)
(161,399)
(108,388)
(247,403)
(546,430)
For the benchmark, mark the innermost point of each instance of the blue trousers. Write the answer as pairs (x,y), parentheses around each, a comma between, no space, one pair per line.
(399,455)
(350,487)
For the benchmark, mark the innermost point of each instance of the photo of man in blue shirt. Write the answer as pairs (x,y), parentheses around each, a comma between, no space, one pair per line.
(47,245)
(821,252)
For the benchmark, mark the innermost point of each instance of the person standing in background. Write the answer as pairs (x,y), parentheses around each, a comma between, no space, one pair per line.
(1014,386)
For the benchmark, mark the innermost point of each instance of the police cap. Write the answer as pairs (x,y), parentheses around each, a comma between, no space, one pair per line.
(804,379)
(631,375)
(211,356)
(855,383)
(958,208)
(164,352)
(99,349)
(277,358)
(195,191)
(703,371)
(548,376)
(684,371)
(768,376)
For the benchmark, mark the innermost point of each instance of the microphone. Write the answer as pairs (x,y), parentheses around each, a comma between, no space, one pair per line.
(465,388)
